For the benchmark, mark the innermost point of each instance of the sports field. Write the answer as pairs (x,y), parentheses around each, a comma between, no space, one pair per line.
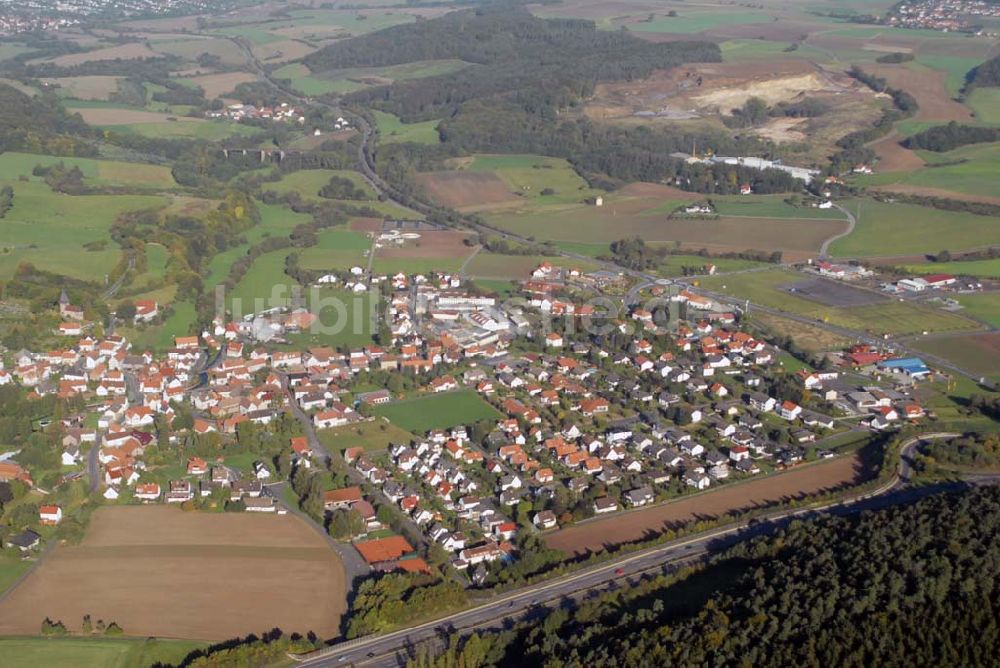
(160,572)
(438,411)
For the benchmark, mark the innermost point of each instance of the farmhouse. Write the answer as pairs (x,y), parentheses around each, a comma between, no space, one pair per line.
(50,515)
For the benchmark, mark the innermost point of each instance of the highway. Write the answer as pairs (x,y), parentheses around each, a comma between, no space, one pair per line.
(390,649)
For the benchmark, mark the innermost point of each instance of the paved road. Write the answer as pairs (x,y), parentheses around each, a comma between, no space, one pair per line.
(851,224)
(116,286)
(389,649)
(93,470)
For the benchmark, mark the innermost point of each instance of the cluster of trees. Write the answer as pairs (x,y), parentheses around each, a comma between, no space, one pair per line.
(62,179)
(985,74)
(6,200)
(895,58)
(273,647)
(917,581)
(635,254)
(394,599)
(543,64)
(947,137)
(339,187)
(40,124)
(977,450)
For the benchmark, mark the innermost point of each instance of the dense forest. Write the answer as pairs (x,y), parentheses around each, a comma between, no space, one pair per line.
(903,586)
(542,64)
(985,74)
(947,137)
(523,74)
(40,124)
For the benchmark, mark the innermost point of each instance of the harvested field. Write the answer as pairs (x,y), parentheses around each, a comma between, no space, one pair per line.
(929,89)
(466,190)
(600,534)
(366,224)
(159,571)
(894,158)
(832,293)
(86,87)
(123,52)
(98,116)
(976,353)
(443,244)
(218,85)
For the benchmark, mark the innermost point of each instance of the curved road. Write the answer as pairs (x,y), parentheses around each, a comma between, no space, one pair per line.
(390,649)
(851,224)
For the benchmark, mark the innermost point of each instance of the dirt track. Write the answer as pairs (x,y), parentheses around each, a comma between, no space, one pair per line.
(632,526)
(159,571)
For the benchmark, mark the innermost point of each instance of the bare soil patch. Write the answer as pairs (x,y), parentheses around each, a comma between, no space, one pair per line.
(434,244)
(217,85)
(158,571)
(706,92)
(894,158)
(628,527)
(123,52)
(461,190)
(978,353)
(366,224)
(129,116)
(928,87)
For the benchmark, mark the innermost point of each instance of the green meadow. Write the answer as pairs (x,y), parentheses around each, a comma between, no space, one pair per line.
(906,229)
(78,652)
(15,165)
(337,249)
(392,130)
(438,411)
(50,230)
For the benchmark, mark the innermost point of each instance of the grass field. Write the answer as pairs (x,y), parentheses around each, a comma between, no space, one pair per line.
(980,268)
(49,229)
(970,170)
(986,307)
(197,567)
(352,79)
(190,49)
(976,353)
(416,265)
(98,87)
(438,411)
(392,130)
(691,20)
(302,80)
(348,320)
(985,104)
(374,435)
(161,337)
(10,570)
(95,652)
(898,318)
(905,229)
(308,182)
(156,266)
(529,175)
(97,172)
(807,337)
(673,264)
(768,206)
(337,249)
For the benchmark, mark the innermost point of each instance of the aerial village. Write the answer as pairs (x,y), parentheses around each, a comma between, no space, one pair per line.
(675,395)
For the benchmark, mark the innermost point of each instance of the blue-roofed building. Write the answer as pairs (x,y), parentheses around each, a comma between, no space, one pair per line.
(913,367)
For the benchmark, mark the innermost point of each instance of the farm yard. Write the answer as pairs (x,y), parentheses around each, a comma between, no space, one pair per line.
(438,411)
(599,534)
(197,568)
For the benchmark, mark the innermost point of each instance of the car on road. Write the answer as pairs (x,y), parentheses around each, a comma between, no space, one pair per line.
(619,571)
